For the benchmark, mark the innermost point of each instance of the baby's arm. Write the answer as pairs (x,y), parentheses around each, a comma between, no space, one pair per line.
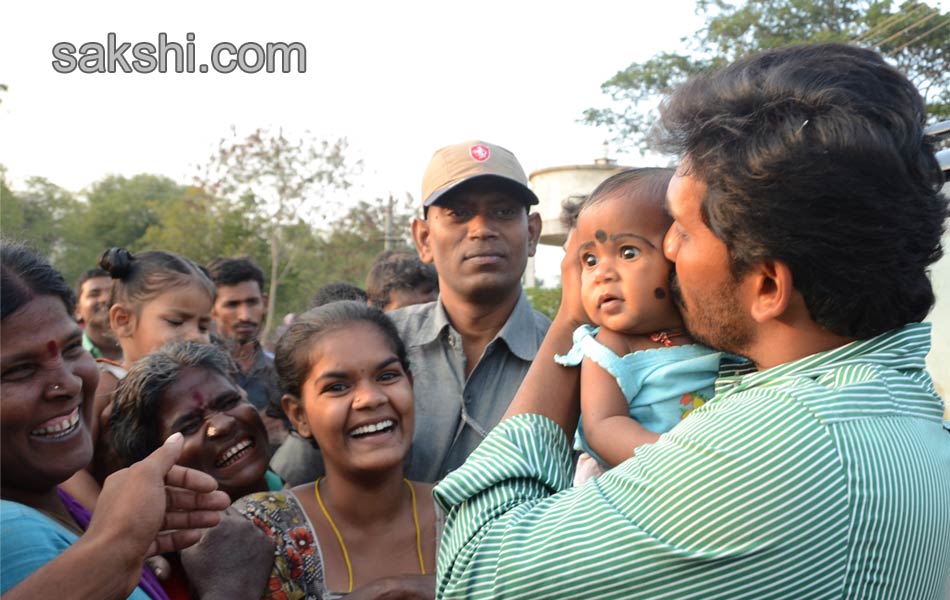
(608,427)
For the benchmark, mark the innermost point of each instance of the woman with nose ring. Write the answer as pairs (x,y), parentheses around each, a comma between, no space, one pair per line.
(189,388)
(51,545)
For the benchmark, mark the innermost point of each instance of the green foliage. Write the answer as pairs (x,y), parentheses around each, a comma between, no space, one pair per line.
(914,36)
(344,251)
(117,211)
(545,300)
(37,214)
(315,247)
(284,183)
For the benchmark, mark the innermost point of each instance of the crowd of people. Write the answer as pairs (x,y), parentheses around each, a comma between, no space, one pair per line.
(731,401)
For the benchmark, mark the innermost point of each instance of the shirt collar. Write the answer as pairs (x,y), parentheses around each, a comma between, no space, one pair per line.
(518,332)
(90,346)
(904,348)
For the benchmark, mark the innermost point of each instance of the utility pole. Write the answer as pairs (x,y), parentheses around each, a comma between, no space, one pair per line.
(388,225)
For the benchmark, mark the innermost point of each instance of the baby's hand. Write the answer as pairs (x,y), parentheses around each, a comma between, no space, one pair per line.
(571,306)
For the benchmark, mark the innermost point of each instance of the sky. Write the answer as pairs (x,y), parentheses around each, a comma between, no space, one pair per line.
(398,80)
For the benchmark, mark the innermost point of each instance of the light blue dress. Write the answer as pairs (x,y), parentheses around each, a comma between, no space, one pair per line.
(661,385)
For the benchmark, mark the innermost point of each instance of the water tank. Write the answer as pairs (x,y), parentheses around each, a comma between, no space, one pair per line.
(555,185)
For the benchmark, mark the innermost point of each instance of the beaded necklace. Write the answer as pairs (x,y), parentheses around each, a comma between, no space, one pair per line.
(664,337)
(339,538)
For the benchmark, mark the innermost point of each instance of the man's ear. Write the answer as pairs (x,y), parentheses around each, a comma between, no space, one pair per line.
(121,320)
(772,287)
(534,232)
(420,237)
(265,300)
(294,409)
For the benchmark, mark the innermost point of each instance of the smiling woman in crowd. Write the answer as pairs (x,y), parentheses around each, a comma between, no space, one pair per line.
(189,388)
(49,541)
(363,528)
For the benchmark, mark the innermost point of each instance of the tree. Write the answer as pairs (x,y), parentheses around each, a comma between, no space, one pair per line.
(117,212)
(914,36)
(545,300)
(290,184)
(345,250)
(36,214)
(202,227)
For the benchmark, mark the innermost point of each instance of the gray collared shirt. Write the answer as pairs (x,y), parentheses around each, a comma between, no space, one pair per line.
(454,414)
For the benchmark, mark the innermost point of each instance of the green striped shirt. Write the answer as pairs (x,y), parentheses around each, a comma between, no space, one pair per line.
(826,477)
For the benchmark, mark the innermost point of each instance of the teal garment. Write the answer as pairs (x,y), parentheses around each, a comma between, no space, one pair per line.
(90,347)
(274,482)
(28,540)
(825,477)
(661,385)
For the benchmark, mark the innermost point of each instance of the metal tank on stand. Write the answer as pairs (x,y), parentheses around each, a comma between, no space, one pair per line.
(556,186)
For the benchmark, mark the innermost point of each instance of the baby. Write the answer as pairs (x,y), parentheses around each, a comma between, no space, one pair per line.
(640,371)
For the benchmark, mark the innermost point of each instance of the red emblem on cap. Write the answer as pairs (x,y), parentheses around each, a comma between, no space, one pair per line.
(480,152)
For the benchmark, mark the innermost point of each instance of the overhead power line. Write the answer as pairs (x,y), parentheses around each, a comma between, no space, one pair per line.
(884,25)
(921,36)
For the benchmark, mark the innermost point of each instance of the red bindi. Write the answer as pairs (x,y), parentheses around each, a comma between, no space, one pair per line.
(52,348)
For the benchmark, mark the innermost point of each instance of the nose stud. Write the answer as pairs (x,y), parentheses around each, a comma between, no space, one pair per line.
(212,430)
(55,387)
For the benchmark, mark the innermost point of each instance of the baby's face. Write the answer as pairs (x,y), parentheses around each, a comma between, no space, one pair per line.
(624,275)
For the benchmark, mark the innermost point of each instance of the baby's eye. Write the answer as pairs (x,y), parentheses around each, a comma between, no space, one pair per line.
(174,322)
(589,260)
(629,252)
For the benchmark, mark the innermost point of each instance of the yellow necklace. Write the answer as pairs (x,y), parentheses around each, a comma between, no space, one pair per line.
(339,538)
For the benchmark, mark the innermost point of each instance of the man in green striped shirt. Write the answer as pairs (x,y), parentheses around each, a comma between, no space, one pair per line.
(806,211)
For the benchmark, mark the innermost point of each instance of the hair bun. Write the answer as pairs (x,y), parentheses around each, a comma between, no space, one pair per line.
(117,261)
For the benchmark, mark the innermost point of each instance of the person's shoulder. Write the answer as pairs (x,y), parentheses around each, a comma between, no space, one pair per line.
(409,319)
(541,320)
(14,512)
(267,508)
(30,539)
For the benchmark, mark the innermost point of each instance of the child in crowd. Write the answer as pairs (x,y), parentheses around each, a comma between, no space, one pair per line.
(640,371)
(156,297)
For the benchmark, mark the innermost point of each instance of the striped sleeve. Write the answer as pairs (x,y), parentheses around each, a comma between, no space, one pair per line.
(731,503)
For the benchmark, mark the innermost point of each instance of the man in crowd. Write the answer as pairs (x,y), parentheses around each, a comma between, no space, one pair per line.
(470,349)
(806,213)
(93,290)
(398,278)
(238,315)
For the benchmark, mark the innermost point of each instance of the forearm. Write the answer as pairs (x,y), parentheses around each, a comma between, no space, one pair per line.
(549,389)
(93,569)
(615,438)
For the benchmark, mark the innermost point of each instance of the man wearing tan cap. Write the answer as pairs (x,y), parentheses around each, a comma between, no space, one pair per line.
(470,349)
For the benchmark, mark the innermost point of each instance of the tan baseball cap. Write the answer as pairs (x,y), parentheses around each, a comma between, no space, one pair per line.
(454,165)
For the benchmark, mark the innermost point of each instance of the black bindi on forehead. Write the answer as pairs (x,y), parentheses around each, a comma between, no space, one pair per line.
(660,293)
(601,235)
